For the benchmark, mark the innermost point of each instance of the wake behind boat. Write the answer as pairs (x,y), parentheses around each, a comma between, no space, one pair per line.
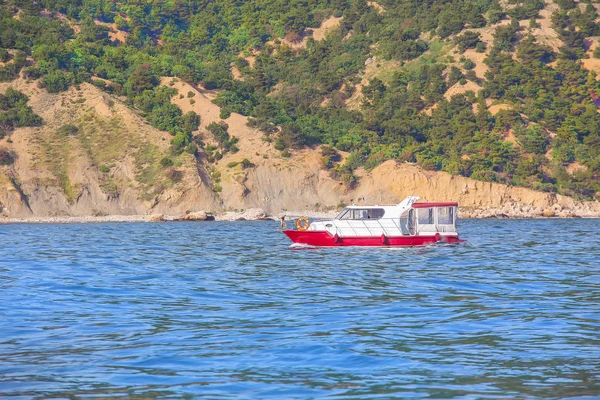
(405,224)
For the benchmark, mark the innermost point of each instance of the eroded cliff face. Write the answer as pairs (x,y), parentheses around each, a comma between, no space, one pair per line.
(112,166)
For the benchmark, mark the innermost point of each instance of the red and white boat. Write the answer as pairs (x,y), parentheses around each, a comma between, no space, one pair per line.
(405,224)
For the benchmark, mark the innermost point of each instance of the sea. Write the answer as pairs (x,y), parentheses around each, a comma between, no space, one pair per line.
(229,310)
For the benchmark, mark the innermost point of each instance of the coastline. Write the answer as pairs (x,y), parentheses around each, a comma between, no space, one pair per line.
(260,215)
(252,214)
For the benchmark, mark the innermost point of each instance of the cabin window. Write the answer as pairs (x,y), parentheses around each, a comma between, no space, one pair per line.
(362,213)
(345,214)
(376,213)
(446,215)
(404,223)
(425,216)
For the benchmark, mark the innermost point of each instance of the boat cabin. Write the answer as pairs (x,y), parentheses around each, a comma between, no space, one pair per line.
(424,218)
(407,218)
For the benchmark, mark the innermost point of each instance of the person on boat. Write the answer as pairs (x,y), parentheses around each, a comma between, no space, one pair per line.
(283,224)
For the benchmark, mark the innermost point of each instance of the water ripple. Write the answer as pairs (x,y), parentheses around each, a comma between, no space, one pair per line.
(229,310)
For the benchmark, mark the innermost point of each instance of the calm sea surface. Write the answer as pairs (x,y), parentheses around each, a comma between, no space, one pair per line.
(228,310)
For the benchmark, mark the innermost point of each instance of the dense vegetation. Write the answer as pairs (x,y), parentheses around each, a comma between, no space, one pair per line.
(14,112)
(405,116)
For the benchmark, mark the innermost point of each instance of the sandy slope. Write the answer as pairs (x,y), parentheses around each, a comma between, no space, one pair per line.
(63,175)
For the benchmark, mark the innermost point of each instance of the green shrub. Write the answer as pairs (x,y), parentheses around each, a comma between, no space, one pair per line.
(181,140)
(166,162)
(33,73)
(224,113)
(192,148)
(468,40)
(7,157)
(11,70)
(219,131)
(455,75)
(354,161)
(566,4)
(191,121)
(472,76)
(468,64)
(430,164)
(247,164)
(374,160)
(15,113)
(166,117)
(67,130)
(533,24)
(279,145)
(4,55)
(331,152)
(56,81)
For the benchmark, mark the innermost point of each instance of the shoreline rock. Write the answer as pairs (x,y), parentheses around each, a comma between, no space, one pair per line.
(515,211)
(196,216)
(251,214)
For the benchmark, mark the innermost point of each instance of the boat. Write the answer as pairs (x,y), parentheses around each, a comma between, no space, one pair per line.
(408,223)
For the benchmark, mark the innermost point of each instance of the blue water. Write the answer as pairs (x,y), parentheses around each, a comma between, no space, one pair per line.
(228,310)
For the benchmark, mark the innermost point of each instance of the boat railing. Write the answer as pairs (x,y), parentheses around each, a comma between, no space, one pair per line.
(353,228)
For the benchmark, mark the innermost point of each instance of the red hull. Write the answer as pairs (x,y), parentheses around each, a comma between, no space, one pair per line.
(324,239)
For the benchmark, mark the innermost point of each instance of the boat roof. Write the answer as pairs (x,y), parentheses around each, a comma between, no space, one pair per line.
(371,206)
(396,210)
(415,205)
(435,204)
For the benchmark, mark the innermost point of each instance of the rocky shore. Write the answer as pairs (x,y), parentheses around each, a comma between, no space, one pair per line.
(257,214)
(524,211)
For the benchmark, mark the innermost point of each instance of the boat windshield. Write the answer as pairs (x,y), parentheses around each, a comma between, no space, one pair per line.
(361,213)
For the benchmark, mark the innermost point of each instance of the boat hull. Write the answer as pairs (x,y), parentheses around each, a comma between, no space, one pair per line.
(325,239)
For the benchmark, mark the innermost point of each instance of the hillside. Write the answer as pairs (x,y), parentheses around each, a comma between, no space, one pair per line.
(112,165)
(175,107)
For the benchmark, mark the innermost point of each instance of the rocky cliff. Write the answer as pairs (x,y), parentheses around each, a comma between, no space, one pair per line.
(94,155)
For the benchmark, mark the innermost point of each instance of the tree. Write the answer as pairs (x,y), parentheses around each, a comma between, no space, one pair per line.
(533,139)
(374,91)
(450,21)
(3,55)
(468,40)
(505,36)
(141,79)
(167,118)
(55,81)
(219,131)
(191,121)
(530,50)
